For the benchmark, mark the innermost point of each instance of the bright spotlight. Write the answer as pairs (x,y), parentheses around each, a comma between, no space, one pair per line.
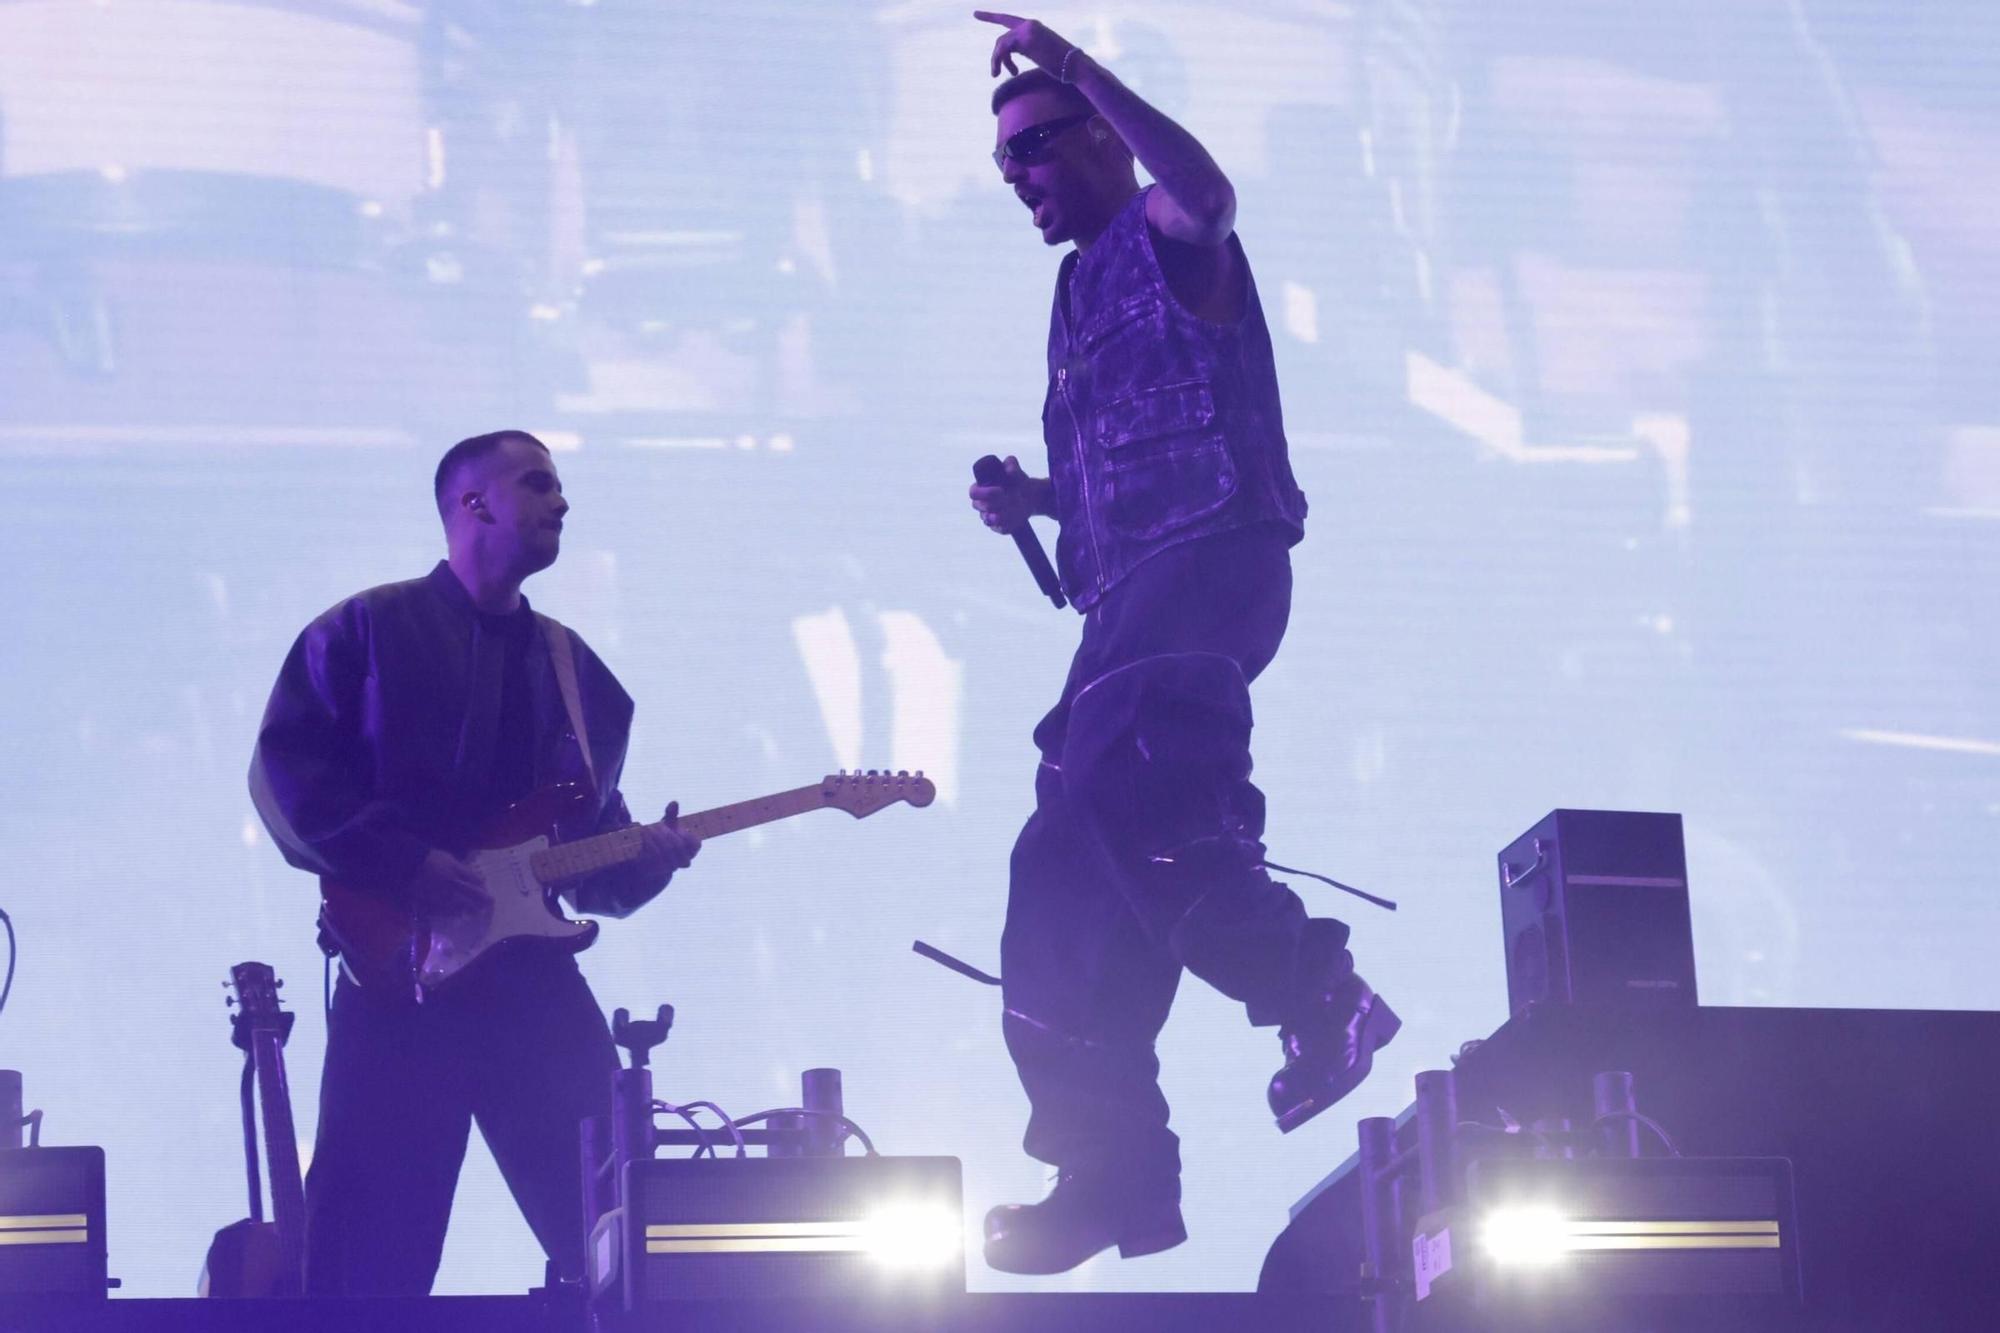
(1542,1242)
(720,1228)
(1525,1237)
(910,1236)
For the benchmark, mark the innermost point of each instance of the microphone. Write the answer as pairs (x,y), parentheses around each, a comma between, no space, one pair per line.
(990,471)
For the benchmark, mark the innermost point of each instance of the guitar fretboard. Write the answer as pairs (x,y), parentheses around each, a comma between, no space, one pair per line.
(281,1152)
(588,855)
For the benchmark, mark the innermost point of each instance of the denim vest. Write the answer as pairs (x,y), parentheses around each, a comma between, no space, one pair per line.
(1162,427)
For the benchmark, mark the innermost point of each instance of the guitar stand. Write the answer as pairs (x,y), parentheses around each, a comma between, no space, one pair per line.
(12,1120)
(641,1036)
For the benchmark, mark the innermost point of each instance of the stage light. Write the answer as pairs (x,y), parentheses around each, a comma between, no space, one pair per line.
(1560,1241)
(1538,1235)
(1527,1236)
(913,1236)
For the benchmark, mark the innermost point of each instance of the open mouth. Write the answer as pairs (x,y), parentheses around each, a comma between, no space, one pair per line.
(1036,206)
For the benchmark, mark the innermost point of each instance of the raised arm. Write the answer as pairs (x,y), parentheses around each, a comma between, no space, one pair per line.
(1194,202)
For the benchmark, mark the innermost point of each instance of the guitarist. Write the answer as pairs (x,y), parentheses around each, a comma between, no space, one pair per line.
(404,719)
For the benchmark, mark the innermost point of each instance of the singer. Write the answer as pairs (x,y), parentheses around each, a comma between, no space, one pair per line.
(1177,509)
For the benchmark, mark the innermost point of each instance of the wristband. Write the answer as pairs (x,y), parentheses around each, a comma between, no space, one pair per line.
(1062,72)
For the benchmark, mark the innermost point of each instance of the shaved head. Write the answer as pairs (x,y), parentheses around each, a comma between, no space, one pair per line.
(463,455)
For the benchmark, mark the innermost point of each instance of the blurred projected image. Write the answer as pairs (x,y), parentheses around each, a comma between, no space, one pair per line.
(1635,366)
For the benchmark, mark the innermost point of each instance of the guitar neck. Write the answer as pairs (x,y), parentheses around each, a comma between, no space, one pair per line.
(748,814)
(589,855)
(281,1155)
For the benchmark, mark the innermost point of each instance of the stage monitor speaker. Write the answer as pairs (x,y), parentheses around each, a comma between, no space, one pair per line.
(1594,906)
(1881,1113)
(1608,1242)
(52,1222)
(726,1228)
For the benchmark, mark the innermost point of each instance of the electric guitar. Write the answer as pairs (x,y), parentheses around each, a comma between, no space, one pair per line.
(254,1257)
(524,862)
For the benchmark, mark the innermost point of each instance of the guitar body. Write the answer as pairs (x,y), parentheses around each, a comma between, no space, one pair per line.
(385,943)
(245,1259)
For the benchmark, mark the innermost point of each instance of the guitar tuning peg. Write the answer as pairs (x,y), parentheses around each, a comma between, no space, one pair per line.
(902,772)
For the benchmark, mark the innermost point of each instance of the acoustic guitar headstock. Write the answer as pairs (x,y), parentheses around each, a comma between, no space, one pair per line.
(256,1002)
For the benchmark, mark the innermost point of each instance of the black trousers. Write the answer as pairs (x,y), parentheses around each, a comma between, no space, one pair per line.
(517,1045)
(1142,856)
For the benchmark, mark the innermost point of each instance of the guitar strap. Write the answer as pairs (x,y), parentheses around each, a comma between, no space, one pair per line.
(565,665)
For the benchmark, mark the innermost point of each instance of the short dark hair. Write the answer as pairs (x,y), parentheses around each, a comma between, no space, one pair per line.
(1035,80)
(468,451)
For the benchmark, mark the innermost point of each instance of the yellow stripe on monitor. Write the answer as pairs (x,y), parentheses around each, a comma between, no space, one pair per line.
(1717,1241)
(759,1245)
(667,1230)
(1652,1227)
(39,1221)
(76,1237)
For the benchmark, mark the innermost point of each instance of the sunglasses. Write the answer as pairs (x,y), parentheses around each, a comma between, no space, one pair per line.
(1032,144)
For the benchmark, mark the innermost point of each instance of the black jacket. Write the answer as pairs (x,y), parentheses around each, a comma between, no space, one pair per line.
(375,742)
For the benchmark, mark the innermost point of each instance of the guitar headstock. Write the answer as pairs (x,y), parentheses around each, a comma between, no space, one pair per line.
(256,1002)
(862,794)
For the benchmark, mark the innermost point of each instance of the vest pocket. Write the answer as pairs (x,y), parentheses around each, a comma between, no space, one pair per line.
(1120,317)
(1165,461)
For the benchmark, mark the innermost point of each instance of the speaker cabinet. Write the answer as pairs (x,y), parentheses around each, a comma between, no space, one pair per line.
(727,1228)
(1594,907)
(1881,1112)
(52,1222)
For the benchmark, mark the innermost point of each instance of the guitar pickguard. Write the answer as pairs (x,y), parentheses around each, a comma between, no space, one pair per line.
(520,907)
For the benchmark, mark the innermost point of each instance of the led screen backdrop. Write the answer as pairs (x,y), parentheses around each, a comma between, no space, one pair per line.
(1638,363)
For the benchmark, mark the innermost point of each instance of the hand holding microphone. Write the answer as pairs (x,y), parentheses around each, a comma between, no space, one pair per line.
(1006,498)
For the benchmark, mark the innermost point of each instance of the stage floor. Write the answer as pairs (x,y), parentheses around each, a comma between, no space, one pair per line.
(974,1313)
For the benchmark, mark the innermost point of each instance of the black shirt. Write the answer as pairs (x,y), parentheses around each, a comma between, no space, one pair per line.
(513,773)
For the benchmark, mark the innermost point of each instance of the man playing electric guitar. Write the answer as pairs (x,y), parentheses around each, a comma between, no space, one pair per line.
(404,721)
